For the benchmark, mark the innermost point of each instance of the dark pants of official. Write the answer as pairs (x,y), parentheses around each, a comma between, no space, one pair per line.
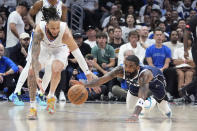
(171,80)
(9,83)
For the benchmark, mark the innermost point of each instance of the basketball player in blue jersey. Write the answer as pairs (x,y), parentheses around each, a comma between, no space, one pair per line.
(52,42)
(35,11)
(141,80)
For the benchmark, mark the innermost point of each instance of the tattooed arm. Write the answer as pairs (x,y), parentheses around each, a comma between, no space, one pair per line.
(116,72)
(38,36)
(144,80)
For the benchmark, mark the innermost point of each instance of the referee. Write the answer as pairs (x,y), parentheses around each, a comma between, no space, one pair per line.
(191,29)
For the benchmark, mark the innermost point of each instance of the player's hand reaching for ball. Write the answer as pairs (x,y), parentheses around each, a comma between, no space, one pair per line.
(90,77)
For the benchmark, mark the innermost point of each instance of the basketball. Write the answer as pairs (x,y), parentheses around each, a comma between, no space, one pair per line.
(77,94)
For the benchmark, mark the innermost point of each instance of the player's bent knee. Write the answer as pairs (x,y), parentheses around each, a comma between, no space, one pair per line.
(57,66)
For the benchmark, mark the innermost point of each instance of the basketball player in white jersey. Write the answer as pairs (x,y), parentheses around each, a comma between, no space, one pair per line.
(36,11)
(51,39)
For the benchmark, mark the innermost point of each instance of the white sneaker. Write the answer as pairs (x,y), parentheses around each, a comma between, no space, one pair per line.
(62,96)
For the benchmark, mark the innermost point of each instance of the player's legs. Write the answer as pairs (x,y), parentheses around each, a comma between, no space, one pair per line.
(15,97)
(32,93)
(22,78)
(57,67)
(59,62)
(40,98)
(47,77)
(164,107)
(131,101)
(158,90)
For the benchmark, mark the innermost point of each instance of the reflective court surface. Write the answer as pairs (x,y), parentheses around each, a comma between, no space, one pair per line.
(95,117)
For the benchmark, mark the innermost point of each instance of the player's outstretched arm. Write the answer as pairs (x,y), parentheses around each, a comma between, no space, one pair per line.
(70,42)
(116,72)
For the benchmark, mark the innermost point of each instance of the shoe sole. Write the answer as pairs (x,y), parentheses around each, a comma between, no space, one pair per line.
(32,118)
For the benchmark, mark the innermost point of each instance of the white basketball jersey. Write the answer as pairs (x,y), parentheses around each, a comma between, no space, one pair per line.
(46,4)
(57,42)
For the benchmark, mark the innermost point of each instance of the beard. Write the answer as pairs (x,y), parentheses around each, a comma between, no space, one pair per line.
(50,34)
(131,75)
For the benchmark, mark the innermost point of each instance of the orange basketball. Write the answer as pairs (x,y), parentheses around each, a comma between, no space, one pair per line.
(77,94)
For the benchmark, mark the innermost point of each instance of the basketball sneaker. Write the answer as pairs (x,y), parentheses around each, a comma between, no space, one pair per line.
(32,114)
(62,96)
(40,99)
(51,105)
(16,99)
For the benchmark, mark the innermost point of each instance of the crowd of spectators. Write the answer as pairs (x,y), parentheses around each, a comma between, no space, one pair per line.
(150,29)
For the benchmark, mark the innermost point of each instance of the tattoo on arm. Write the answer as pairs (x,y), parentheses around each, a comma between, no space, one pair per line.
(116,72)
(36,52)
(144,80)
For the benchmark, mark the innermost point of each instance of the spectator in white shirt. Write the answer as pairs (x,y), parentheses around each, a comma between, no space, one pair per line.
(15,24)
(173,43)
(130,25)
(133,45)
(185,67)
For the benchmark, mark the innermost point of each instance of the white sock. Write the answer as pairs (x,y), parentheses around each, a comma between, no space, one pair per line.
(51,94)
(164,107)
(22,78)
(40,92)
(33,104)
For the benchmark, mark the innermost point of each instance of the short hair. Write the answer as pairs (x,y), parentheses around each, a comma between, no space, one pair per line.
(131,51)
(160,22)
(158,29)
(89,57)
(50,14)
(101,34)
(133,32)
(117,27)
(181,20)
(173,31)
(134,59)
(24,4)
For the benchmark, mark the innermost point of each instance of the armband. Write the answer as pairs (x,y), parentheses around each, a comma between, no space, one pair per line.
(81,61)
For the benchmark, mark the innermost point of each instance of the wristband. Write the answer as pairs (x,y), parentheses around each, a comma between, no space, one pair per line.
(140,102)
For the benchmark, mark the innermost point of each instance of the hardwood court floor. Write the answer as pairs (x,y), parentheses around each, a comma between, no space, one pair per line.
(95,117)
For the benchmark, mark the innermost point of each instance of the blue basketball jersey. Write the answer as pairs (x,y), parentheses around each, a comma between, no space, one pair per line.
(156,85)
